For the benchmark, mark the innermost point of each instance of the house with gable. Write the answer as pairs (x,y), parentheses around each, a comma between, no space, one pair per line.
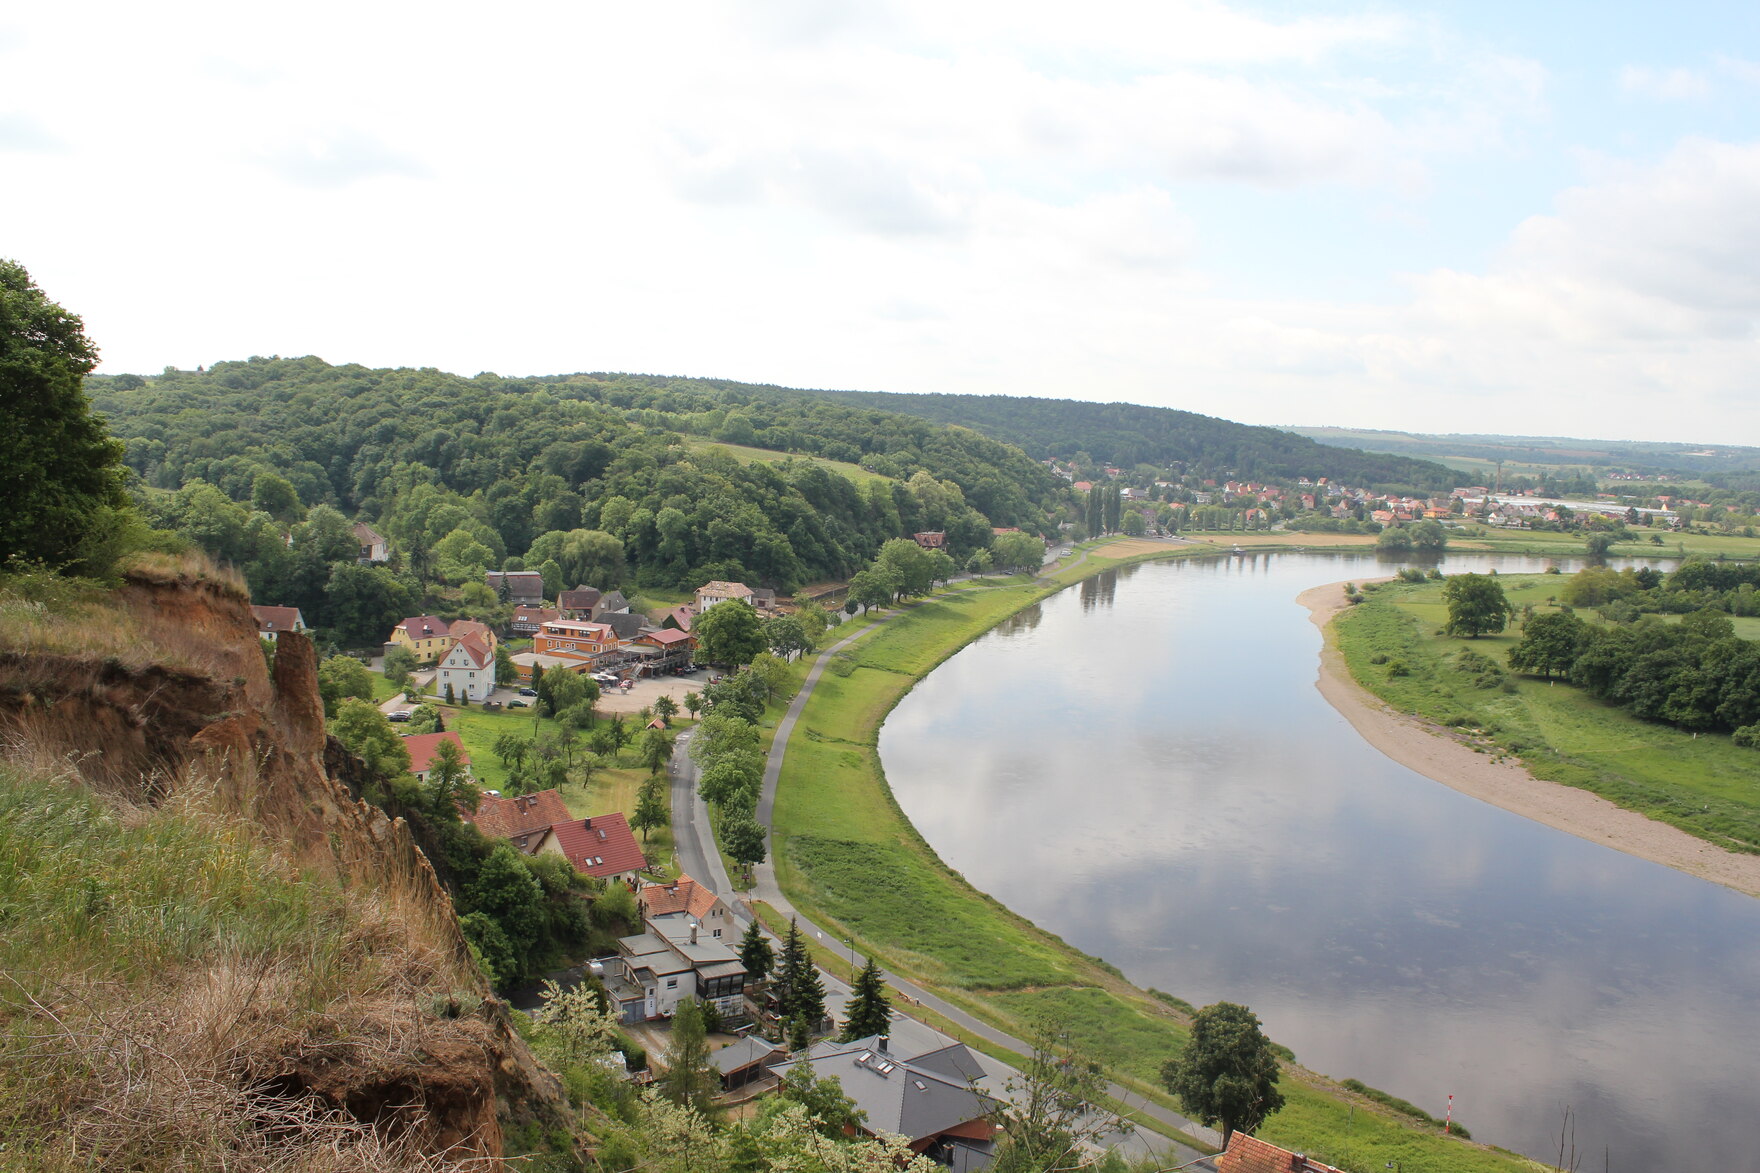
(374,548)
(679,619)
(467,670)
(685,899)
(1249,1154)
(578,603)
(424,748)
(272,621)
(603,847)
(928,1099)
(423,635)
(711,593)
(521,820)
(516,586)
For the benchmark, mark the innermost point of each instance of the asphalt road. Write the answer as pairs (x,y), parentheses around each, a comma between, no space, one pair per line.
(698,857)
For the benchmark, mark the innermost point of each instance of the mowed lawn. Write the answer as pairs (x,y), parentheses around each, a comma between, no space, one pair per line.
(1705,785)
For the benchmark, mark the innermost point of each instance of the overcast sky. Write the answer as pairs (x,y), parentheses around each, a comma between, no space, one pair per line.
(1457,216)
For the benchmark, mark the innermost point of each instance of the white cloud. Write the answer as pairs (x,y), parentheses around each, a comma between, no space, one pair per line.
(1668,85)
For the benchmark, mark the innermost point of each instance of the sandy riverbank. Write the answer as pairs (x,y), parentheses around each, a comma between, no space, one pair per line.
(1419,746)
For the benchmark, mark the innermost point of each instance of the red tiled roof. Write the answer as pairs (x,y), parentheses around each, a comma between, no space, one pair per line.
(514,818)
(528,613)
(465,628)
(423,746)
(600,846)
(666,636)
(1249,1154)
(731,590)
(478,653)
(683,895)
(683,616)
(277,619)
(423,626)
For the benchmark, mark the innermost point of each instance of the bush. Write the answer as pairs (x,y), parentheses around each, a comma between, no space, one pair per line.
(1748,737)
(1378,658)
(1397,668)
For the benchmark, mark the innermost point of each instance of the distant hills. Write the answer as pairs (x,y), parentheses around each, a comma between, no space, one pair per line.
(1127,434)
(1541,454)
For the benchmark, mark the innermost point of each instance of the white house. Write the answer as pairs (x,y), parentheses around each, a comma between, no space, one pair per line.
(272,621)
(711,593)
(468,669)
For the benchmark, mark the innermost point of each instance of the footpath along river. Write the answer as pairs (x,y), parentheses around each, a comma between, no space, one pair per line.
(1142,765)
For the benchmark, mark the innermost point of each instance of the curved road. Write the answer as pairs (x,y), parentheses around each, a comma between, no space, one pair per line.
(698,856)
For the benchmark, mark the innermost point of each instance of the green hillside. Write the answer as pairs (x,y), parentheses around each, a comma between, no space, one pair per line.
(1127,434)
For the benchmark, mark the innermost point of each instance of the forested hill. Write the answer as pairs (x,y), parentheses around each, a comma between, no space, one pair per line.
(464,473)
(1126,434)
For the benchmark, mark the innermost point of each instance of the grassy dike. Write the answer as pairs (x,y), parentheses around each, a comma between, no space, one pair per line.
(1704,785)
(848,857)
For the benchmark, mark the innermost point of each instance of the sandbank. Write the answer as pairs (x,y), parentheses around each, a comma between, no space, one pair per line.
(1432,751)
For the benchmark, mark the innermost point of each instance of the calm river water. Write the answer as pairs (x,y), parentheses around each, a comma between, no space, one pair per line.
(1142,765)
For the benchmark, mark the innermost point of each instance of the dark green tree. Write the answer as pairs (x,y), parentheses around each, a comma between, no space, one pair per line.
(744,839)
(1227,1072)
(869,1011)
(729,633)
(62,497)
(689,1081)
(343,676)
(755,952)
(801,993)
(1476,605)
(656,750)
(506,671)
(1550,644)
(651,806)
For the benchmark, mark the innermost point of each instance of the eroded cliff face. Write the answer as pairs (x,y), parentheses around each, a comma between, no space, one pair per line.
(209,718)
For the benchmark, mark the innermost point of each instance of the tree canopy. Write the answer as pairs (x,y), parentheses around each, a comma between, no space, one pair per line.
(62,498)
(1227,1072)
(1476,605)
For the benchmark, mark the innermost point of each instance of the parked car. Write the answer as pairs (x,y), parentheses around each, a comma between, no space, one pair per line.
(528,692)
(399,715)
(518,705)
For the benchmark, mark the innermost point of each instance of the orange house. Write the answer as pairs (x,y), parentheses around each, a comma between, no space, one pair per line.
(574,639)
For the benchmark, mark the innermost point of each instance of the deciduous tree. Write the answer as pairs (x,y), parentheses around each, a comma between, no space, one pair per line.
(1227,1074)
(62,500)
(728,633)
(1476,605)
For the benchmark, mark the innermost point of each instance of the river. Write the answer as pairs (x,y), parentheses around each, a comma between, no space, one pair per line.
(1142,765)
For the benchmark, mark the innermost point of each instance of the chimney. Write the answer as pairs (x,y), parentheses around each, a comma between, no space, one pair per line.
(694,932)
(1298,1162)
(884,1042)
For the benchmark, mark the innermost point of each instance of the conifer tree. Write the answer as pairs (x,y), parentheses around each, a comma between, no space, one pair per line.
(869,1010)
(689,1081)
(802,994)
(755,953)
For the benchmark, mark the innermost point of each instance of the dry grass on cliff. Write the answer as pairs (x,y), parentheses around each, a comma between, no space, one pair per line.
(47,615)
(173,997)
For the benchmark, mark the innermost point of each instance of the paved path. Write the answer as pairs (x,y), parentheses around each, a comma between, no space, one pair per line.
(691,823)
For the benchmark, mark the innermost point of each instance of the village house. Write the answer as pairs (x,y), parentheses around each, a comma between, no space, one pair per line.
(527,619)
(467,670)
(928,1099)
(602,847)
(374,548)
(1249,1154)
(521,820)
(711,593)
(578,603)
(673,959)
(685,899)
(574,639)
(272,621)
(516,586)
(424,748)
(679,619)
(610,603)
(423,635)
(931,539)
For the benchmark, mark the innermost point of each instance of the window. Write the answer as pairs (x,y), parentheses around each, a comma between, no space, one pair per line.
(672,983)
(717,932)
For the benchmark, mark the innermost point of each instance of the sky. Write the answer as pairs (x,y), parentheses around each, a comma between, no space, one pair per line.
(1447,217)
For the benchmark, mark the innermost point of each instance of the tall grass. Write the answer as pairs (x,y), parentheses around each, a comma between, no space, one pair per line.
(162,973)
